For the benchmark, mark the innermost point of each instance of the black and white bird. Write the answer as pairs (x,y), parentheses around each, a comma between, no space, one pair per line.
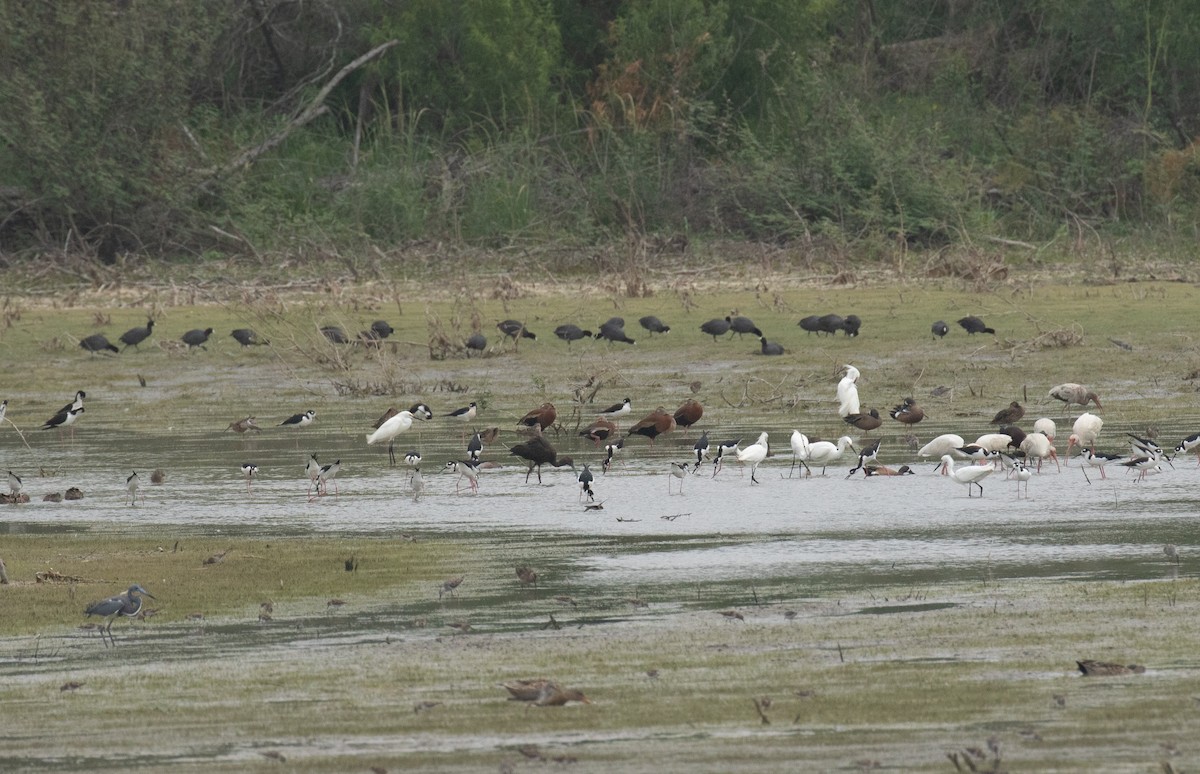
(249,471)
(585,479)
(3,410)
(135,336)
(328,473)
(196,338)
(678,471)
(868,454)
(610,451)
(313,470)
(700,449)
(1186,446)
(14,483)
(467,469)
(413,459)
(724,448)
(299,420)
(97,342)
(63,419)
(474,447)
(464,414)
(616,410)
(1098,460)
(1143,465)
(131,484)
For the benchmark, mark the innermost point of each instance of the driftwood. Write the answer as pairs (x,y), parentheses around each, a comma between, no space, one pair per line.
(314,109)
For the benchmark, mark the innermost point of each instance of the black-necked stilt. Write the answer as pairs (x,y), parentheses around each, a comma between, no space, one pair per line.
(97,342)
(475,447)
(1071,392)
(542,417)
(1009,415)
(128,604)
(754,454)
(851,325)
(569,333)
(824,453)
(335,334)
(416,483)
(613,330)
(1186,446)
(1022,474)
(769,347)
(653,324)
(689,413)
(14,483)
(715,327)
(249,471)
(700,449)
(847,393)
(970,475)
(1143,465)
(299,420)
(616,410)
(724,448)
(63,419)
(972,325)
(537,451)
(600,430)
(464,414)
(678,471)
(3,410)
(243,425)
(132,484)
(654,424)
(413,459)
(585,479)
(247,337)
(868,454)
(865,422)
(743,325)
(978,453)
(312,469)
(812,324)
(328,473)
(196,338)
(467,469)
(800,452)
(610,451)
(939,328)
(476,342)
(1144,447)
(1098,460)
(135,336)
(515,330)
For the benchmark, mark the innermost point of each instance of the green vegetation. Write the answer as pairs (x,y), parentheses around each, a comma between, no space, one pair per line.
(252,128)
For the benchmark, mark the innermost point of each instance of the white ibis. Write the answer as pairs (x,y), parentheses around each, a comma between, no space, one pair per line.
(800,451)
(993,441)
(1038,446)
(1084,432)
(968,475)
(847,393)
(754,454)
(1046,427)
(948,443)
(1072,393)
(824,453)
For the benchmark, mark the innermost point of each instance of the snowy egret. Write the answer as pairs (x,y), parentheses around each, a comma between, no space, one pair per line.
(847,393)
(824,453)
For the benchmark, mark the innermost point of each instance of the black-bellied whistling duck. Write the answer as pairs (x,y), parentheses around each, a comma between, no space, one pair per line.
(653,425)
(598,431)
(689,413)
(541,417)
(1010,415)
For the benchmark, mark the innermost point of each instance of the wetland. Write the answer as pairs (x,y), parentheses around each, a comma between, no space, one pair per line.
(803,623)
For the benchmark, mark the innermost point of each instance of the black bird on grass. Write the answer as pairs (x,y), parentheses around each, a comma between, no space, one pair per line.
(515,330)
(477,342)
(770,347)
(743,325)
(653,324)
(940,328)
(196,338)
(832,323)
(851,325)
(972,325)
(335,334)
(247,337)
(613,329)
(812,323)
(716,327)
(97,342)
(135,336)
(569,333)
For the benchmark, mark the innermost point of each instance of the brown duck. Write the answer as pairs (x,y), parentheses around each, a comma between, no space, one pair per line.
(908,412)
